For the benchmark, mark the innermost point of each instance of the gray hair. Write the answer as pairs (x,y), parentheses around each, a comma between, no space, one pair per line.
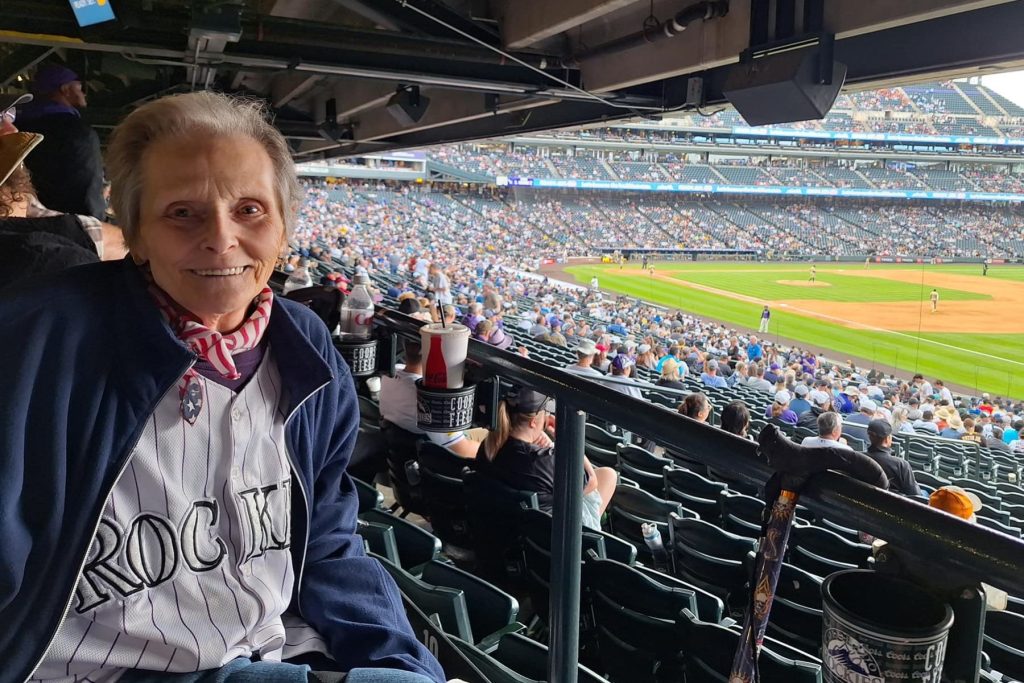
(828,423)
(203,113)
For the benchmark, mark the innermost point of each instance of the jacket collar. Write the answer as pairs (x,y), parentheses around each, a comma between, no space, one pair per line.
(302,366)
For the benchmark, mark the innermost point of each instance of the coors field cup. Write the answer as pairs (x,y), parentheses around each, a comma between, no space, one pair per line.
(881,629)
(444,355)
(443,403)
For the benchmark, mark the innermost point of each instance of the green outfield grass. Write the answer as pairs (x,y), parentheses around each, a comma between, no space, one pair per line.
(840,287)
(984,362)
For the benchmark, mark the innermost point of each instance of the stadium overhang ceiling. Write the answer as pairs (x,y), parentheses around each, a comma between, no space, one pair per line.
(456,70)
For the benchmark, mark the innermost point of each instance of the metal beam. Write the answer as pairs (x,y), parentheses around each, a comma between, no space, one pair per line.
(446,108)
(287,86)
(527,22)
(719,42)
(555,115)
(21,59)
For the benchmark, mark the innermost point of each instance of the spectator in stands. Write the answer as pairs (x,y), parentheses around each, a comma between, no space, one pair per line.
(670,376)
(970,434)
(1012,434)
(755,351)
(539,328)
(34,245)
(821,402)
(67,169)
(925,424)
(710,377)
(736,418)
(900,420)
(779,412)
(601,361)
(622,369)
(800,404)
(755,378)
(830,430)
(585,352)
(739,375)
(474,316)
(995,441)
(206,192)
(696,407)
(521,455)
(645,357)
(898,470)
(773,374)
(486,331)
(673,353)
(554,337)
(439,284)
(856,424)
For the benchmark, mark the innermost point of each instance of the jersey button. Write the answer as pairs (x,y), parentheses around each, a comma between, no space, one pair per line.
(236,414)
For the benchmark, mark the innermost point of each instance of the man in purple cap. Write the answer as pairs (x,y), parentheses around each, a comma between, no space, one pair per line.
(67,167)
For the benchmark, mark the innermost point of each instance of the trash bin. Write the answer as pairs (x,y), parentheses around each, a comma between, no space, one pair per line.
(881,629)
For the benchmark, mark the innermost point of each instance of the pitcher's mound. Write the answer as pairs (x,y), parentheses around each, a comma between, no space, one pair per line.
(803,283)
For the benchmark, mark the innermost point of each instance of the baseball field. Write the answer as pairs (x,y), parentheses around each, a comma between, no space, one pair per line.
(880,315)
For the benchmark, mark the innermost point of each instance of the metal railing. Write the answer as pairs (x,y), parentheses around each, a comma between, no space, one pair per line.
(949,545)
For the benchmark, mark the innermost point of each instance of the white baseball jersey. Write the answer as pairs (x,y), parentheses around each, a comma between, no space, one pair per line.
(190,567)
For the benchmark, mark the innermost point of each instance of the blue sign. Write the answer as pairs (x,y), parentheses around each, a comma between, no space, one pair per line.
(703,188)
(89,12)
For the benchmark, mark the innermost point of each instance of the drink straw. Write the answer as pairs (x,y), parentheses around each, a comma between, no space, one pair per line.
(440,313)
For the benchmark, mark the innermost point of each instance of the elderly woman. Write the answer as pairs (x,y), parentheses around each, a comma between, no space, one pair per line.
(174,438)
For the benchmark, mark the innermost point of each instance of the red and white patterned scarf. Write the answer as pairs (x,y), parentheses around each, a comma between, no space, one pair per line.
(210,345)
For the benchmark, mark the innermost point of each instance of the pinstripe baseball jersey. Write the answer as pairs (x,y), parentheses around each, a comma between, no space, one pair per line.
(190,565)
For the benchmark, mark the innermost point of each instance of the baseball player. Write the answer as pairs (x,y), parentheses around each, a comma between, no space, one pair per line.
(934,298)
(814,272)
(766,316)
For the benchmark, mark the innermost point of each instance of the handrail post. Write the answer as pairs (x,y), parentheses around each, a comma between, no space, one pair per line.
(566,544)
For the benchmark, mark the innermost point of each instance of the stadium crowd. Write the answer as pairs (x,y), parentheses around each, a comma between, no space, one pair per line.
(419,243)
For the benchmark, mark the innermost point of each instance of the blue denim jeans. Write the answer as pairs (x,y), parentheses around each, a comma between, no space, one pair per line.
(246,671)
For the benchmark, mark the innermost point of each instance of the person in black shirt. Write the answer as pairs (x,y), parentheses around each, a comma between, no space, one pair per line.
(899,472)
(520,455)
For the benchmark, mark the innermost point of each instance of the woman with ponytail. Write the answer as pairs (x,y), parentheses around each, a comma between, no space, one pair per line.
(520,454)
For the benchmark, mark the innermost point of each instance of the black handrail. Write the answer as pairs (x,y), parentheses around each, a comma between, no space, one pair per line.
(942,541)
(972,551)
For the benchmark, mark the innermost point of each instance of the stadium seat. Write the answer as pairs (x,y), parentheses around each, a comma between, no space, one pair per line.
(416,546)
(493,670)
(601,437)
(494,512)
(379,539)
(821,552)
(399,450)
(846,532)
(643,467)
(709,659)
(710,558)
(1004,643)
(492,611)
(369,497)
(600,457)
(635,618)
(693,491)
(796,609)
(629,508)
(741,514)
(529,657)
(448,604)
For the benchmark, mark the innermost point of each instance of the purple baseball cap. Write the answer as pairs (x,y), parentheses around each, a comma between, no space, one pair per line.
(50,78)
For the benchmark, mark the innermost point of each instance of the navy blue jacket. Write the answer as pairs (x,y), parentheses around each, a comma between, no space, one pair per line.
(85,359)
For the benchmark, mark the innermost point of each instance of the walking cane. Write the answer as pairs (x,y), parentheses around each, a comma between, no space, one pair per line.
(793,465)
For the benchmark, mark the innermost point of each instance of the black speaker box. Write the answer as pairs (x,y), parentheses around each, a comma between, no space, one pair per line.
(407,106)
(782,87)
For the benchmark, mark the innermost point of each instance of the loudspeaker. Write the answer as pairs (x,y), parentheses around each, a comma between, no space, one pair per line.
(783,87)
(407,106)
